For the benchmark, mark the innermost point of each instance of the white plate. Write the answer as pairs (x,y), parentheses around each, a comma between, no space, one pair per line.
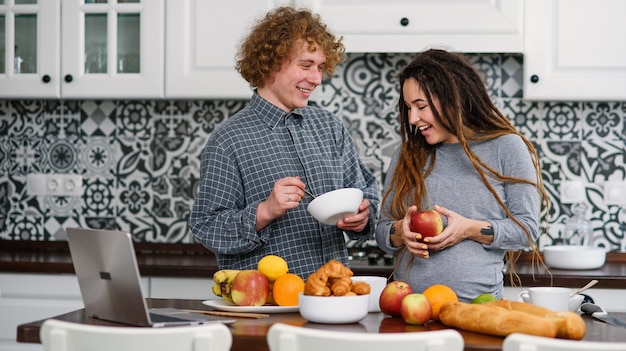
(223,305)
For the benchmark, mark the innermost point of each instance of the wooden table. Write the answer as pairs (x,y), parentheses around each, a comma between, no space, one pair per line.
(250,334)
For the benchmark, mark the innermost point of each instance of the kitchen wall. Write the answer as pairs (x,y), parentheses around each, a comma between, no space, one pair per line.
(140,159)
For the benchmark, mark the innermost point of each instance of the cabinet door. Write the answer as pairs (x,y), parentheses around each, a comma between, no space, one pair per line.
(181,288)
(201,39)
(575,50)
(412,26)
(30,297)
(113,49)
(30,49)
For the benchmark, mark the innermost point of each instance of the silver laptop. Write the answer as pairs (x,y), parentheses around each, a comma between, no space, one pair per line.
(109,281)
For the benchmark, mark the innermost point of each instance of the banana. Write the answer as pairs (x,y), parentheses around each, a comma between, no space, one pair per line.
(216,289)
(270,298)
(224,274)
(223,281)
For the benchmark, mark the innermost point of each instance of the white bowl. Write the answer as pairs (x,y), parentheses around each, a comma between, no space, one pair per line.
(377,284)
(334,205)
(333,309)
(574,257)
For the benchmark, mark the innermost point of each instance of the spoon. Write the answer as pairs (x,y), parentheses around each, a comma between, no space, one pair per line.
(587,286)
(310,193)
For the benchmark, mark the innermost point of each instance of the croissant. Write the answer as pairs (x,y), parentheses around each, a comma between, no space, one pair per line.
(316,284)
(340,286)
(335,269)
(322,281)
(361,288)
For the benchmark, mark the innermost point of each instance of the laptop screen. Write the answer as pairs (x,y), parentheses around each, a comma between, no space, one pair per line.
(108,275)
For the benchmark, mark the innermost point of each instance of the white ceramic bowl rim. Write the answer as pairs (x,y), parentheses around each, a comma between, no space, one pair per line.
(569,248)
(328,208)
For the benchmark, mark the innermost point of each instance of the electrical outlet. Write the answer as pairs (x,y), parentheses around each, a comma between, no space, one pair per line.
(614,193)
(55,184)
(572,191)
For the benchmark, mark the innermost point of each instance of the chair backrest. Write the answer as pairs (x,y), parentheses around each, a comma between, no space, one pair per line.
(283,337)
(524,342)
(65,336)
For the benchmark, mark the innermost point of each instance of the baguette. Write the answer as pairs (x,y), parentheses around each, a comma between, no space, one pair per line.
(521,306)
(569,324)
(494,320)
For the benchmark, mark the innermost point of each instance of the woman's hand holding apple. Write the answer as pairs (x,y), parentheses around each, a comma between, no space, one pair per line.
(458,229)
(411,240)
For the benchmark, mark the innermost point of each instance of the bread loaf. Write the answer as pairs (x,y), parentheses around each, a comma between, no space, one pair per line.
(569,325)
(494,320)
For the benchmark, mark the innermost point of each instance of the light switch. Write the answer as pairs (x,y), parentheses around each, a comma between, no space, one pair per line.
(614,193)
(36,184)
(572,191)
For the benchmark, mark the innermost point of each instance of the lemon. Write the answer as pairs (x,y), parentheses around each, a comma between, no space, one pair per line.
(482,298)
(272,267)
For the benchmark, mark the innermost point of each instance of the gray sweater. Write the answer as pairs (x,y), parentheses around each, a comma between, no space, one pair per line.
(471,268)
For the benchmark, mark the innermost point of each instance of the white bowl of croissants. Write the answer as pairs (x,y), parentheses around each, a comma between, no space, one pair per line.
(331,296)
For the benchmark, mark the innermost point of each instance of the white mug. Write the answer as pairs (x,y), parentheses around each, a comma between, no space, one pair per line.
(552,298)
(377,284)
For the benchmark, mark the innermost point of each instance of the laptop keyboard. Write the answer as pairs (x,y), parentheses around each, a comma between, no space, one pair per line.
(160,318)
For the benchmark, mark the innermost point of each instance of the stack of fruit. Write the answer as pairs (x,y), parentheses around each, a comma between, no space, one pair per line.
(269,284)
(399,300)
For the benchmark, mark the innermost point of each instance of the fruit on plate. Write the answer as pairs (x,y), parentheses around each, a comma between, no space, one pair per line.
(415,309)
(250,288)
(427,222)
(272,267)
(390,300)
(222,281)
(286,288)
(437,295)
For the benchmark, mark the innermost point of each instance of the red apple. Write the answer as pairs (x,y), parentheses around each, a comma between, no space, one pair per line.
(250,288)
(427,223)
(416,309)
(391,297)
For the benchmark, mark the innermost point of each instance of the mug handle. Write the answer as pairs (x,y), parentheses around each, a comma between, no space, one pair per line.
(523,296)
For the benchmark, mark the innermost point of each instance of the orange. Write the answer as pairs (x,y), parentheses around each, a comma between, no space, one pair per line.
(437,295)
(286,289)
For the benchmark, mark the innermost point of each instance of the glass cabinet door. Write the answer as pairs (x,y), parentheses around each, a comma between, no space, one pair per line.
(128,38)
(113,48)
(29,60)
(23,58)
(82,48)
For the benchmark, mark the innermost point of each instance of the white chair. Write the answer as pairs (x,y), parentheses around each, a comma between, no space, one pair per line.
(283,337)
(524,342)
(65,336)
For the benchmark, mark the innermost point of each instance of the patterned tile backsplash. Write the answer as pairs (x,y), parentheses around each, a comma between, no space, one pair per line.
(140,159)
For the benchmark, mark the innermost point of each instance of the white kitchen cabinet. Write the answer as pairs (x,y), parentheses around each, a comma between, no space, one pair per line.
(412,26)
(202,38)
(30,49)
(82,49)
(575,50)
(181,288)
(31,297)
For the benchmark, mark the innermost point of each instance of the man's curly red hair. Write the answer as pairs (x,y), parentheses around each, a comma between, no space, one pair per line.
(271,40)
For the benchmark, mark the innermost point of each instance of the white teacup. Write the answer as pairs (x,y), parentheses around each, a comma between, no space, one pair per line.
(575,302)
(377,284)
(552,298)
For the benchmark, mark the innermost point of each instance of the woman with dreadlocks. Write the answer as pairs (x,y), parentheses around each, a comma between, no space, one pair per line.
(461,156)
